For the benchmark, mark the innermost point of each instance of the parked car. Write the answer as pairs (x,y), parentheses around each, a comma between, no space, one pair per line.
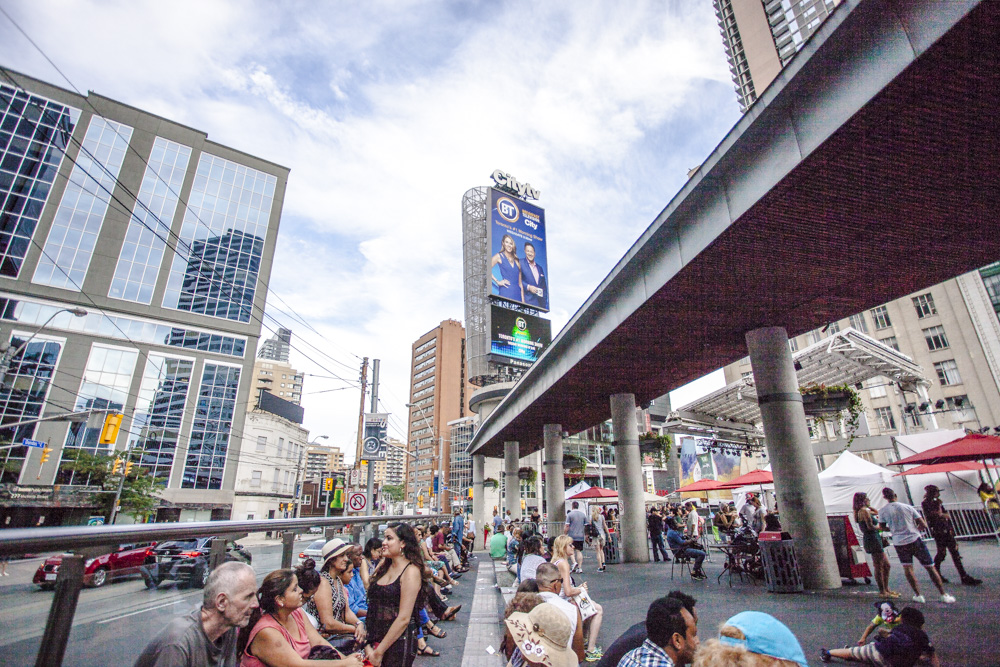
(314,551)
(186,561)
(127,559)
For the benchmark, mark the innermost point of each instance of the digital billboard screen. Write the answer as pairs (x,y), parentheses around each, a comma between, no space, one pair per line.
(517,336)
(519,262)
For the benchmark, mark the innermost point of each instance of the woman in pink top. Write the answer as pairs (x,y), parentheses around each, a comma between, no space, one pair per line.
(280,635)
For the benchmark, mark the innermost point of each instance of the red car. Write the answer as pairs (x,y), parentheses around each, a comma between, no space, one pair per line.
(98,571)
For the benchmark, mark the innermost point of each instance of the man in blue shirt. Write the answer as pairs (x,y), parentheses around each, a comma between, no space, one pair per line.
(685,548)
(458,531)
(357,595)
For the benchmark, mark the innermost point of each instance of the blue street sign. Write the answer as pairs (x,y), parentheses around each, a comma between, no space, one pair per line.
(33,443)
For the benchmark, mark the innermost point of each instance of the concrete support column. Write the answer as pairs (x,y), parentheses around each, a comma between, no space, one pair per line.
(630,486)
(512,485)
(800,500)
(555,487)
(478,492)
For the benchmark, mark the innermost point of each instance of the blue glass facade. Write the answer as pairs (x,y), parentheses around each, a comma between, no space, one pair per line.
(212,427)
(73,237)
(142,251)
(34,134)
(159,411)
(225,224)
(23,392)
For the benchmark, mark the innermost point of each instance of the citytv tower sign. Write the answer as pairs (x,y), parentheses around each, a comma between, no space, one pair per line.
(518,253)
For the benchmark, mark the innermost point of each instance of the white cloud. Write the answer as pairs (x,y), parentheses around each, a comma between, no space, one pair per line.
(386,114)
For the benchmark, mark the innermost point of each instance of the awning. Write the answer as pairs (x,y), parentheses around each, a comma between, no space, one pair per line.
(973,447)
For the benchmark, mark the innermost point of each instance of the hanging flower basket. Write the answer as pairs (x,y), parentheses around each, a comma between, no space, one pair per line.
(826,404)
(526,473)
(823,402)
(491,483)
(574,465)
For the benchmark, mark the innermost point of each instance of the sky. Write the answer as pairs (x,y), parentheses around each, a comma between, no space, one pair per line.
(386,112)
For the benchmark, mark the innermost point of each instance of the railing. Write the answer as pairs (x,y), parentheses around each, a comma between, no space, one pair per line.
(972,520)
(92,541)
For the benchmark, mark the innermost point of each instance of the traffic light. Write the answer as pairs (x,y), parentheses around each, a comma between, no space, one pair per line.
(470,493)
(46,451)
(420,501)
(129,464)
(117,468)
(109,433)
(328,484)
(524,505)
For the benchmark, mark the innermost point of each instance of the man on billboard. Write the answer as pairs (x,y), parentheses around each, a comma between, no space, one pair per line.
(533,279)
(508,285)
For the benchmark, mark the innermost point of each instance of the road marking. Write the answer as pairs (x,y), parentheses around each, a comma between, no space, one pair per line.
(141,611)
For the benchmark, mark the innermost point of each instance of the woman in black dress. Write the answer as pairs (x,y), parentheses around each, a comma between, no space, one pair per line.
(394,599)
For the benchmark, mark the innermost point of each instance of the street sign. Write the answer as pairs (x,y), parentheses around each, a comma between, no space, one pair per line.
(33,443)
(357,502)
(376,433)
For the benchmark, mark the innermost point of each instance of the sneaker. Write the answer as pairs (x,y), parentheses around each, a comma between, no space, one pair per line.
(919,598)
(601,569)
(824,655)
(971,581)
(948,599)
(892,595)
(592,656)
(944,579)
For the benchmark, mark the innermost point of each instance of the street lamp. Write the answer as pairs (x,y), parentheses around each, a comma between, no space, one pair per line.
(9,352)
(441,483)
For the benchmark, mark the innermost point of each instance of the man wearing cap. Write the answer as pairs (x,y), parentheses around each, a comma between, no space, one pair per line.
(671,637)
(543,636)
(944,534)
(903,521)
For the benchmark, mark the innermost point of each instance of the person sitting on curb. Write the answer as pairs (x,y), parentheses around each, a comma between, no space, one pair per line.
(685,549)
(672,636)
(904,646)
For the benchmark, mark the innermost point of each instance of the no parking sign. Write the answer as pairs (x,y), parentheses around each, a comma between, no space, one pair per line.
(356,502)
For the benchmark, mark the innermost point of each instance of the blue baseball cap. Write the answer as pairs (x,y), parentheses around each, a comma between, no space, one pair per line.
(765,635)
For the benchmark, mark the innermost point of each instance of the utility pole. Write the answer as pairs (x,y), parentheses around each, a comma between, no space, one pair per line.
(369,492)
(361,411)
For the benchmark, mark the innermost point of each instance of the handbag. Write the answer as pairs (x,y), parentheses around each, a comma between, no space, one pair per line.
(321,652)
(585,604)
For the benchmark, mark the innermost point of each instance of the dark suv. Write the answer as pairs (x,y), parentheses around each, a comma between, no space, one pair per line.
(186,561)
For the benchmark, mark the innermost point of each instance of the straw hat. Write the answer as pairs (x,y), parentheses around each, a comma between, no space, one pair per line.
(332,549)
(543,636)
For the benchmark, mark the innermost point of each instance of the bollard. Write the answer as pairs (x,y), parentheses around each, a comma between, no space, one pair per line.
(60,621)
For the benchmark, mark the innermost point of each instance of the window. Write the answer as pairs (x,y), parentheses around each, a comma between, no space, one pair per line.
(211,427)
(886,422)
(80,216)
(261,443)
(255,478)
(793,344)
(890,341)
(281,447)
(924,305)
(877,387)
(858,322)
(307,499)
(156,423)
(746,375)
(962,410)
(913,415)
(815,336)
(947,372)
(276,481)
(936,340)
(832,328)
(142,250)
(880,316)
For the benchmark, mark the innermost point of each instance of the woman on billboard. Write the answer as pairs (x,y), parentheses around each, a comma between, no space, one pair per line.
(509,284)
(533,279)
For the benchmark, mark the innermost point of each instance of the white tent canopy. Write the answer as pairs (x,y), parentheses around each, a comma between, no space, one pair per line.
(851,474)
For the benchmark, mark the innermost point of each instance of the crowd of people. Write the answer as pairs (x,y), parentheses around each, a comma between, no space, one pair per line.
(374,605)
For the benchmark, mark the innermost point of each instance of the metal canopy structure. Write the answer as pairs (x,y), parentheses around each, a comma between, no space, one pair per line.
(847,357)
(866,171)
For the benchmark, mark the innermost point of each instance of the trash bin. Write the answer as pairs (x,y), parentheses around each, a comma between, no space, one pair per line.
(781,568)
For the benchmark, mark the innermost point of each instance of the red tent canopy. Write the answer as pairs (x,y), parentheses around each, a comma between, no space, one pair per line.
(594,492)
(957,466)
(752,477)
(974,447)
(700,485)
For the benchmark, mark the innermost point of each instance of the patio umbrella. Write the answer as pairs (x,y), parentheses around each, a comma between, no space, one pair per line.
(973,447)
(956,466)
(701,485)
(754,477)
(594,492)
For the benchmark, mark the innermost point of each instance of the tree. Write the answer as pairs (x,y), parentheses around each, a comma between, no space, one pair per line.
(138,499)
(394,492)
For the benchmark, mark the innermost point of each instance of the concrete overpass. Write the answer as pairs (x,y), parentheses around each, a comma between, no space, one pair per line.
(866,171)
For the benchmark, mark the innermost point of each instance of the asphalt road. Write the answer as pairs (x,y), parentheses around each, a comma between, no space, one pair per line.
(112,624)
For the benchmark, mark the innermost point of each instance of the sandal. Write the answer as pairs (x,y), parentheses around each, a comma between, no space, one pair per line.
(450,613)
(435,631)
(428,651)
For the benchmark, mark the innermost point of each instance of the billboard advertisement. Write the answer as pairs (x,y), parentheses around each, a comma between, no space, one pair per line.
(518,258)
(517,336)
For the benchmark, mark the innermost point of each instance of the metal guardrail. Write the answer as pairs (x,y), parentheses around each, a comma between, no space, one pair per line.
(85,541)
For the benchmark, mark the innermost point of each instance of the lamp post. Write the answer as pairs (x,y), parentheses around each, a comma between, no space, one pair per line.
(441,483)
(10,352)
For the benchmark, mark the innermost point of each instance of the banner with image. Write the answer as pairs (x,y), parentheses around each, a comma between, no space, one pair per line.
(518,258)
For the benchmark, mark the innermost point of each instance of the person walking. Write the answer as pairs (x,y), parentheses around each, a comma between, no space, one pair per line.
(458,530)
(871,539)
(654,524)
(903,521)
(598,535)
(943,533)
(576,526)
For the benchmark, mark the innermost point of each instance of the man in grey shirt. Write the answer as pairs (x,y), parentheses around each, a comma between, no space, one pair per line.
(576,522)
(207,636)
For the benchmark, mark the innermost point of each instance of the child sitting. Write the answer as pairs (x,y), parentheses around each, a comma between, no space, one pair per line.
(906,644)
(885,621)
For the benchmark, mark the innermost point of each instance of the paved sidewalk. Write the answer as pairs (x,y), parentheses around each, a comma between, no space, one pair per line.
(964,633)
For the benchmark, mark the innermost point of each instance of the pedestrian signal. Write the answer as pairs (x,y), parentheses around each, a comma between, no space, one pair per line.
(109,433)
